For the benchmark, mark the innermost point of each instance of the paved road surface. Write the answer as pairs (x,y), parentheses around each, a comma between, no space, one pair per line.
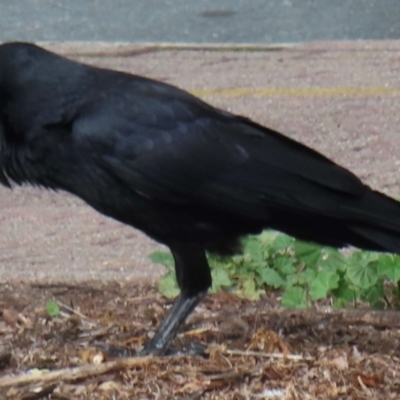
(213,21)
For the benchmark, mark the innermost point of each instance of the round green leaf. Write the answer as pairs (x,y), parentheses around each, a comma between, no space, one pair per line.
(389,266)
(362,273)
(322,284)
(294,297)
(270,277)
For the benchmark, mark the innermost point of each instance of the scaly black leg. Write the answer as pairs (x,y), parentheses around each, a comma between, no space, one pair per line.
(194,279)
(169,328)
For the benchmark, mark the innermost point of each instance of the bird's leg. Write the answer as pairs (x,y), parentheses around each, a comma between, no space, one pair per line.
(194,279)
(171,325)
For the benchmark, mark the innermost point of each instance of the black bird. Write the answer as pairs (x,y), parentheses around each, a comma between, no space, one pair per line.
(190,176)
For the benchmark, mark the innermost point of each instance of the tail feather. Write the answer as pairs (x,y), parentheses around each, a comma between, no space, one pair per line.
(374,208)
(380,239)
(370,222)
(377,219)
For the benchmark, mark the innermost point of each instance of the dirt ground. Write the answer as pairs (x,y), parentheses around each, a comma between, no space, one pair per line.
(256,350)
(340,98)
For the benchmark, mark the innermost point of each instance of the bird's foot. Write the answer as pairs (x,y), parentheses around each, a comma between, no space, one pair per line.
(159,345)
(116,351)
(192,349)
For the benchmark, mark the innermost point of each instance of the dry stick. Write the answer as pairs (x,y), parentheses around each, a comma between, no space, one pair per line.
(294,357)
(76,312)
(228,375)
(364,387)
(73,374)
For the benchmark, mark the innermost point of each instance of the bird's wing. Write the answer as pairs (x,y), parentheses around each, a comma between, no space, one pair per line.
(183,151)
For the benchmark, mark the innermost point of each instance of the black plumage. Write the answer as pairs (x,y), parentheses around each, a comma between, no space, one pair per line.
(190,176)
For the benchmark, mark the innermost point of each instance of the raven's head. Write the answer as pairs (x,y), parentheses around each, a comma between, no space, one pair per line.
(37,88)
(37,85)
(21,66)
(14,60)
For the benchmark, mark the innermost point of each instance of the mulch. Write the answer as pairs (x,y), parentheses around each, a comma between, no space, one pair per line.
(255,350)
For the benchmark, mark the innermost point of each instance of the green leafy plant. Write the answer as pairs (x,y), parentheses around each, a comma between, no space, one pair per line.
(304,272)
(52,308)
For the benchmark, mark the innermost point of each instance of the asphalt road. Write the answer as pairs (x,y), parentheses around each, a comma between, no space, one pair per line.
(211,21)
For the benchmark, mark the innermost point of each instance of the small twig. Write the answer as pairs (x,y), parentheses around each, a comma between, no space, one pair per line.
(73,374)
(364,387)
(227,375)
(195,332)
(294,357)
(95,334)
(76,312)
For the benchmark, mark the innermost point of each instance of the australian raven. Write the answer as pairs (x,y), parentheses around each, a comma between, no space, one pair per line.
(189,175)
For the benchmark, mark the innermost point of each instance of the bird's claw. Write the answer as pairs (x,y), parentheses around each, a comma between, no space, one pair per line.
(116,351)
(192,349)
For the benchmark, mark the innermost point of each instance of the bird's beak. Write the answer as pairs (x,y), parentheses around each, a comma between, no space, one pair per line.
(4,180)
(3,177)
